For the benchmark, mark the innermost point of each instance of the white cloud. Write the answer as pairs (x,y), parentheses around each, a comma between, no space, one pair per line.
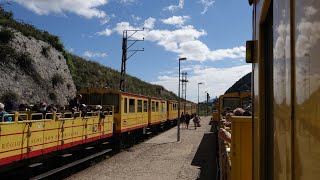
(149,23)
(183,41)
(126,2)
(136,18)
(106,32)
(206,4)
(176,20)
(175,7)
(92,54)
(87,9)
(216,80)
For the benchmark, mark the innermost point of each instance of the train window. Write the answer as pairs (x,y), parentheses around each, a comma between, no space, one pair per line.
(139,105)
(111,99)
(163,107)
(145,106)
(125,106)
(157,106)
(232,102)
(131,105)
(95,99)
(153,106)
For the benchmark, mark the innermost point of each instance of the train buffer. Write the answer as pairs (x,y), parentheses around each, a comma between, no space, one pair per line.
(162,157)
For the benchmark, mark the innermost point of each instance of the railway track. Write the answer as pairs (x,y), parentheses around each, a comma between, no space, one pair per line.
(64,165)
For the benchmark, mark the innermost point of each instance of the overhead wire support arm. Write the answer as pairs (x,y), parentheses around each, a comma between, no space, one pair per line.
(125,49)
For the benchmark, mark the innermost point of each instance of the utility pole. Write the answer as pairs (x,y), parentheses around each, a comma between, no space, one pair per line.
(125,48)
(184,88)
(208,98)
(198,98)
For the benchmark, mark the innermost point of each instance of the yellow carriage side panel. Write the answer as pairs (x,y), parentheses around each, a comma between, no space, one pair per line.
(51,138)
(163,111)
(154,113)
(11,142)
(36,135)
(78,129)
(172,110)
(107,127)
(65,133)
(241,148)
(129,117)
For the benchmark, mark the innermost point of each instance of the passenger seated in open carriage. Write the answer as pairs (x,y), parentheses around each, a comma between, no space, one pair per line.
(4,118)
(223,133)
(75,103)
(41,112)
(98,108)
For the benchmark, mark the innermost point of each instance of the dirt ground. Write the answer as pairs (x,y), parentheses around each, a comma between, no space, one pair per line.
(162,158)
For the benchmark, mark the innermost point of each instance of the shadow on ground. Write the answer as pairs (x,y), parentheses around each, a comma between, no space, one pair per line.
(206,154)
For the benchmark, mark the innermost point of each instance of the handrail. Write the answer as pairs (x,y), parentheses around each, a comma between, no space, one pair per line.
(7,115)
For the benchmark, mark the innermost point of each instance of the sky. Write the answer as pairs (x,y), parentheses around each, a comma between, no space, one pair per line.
(211,34)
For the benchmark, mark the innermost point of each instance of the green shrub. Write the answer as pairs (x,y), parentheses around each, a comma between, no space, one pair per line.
(56,79)
(68,86)
(45,51)
(6,54)
(53,96)
(6,36)
(7,20)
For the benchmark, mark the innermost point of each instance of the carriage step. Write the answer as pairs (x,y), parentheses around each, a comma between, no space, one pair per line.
(87,148)
(35,165)
(148,133)
(104,143)
(66,155)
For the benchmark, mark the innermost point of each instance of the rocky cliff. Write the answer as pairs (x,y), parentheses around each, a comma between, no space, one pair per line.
(32,70)
(35,67)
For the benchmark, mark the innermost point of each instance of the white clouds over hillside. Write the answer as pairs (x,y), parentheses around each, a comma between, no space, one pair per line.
(216,80)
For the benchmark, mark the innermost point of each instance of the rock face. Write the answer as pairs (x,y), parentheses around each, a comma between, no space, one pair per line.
(40,74)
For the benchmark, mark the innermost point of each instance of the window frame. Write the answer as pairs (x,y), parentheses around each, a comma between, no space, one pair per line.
(132,108)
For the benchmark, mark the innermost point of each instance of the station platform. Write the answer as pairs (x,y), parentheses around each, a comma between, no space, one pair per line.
(163,158)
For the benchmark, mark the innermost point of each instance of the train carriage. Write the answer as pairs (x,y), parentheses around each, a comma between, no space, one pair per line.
(130,111)
(172,110)
(24,138)
(158,111)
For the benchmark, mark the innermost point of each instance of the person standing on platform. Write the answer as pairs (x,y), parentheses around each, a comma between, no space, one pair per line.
(187,120)
(183,120)
(196,121)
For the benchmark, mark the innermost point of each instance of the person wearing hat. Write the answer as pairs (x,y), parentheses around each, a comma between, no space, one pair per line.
(2,113)
(75,103)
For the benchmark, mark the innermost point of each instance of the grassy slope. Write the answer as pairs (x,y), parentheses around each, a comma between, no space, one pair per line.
(85,73)
(92,74)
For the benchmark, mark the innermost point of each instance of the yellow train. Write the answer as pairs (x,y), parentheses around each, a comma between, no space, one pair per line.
(122,117)
(232,101)
(283,135)
(23,138)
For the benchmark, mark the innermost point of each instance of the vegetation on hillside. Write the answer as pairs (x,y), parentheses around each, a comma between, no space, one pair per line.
(84,73)
(92,74)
